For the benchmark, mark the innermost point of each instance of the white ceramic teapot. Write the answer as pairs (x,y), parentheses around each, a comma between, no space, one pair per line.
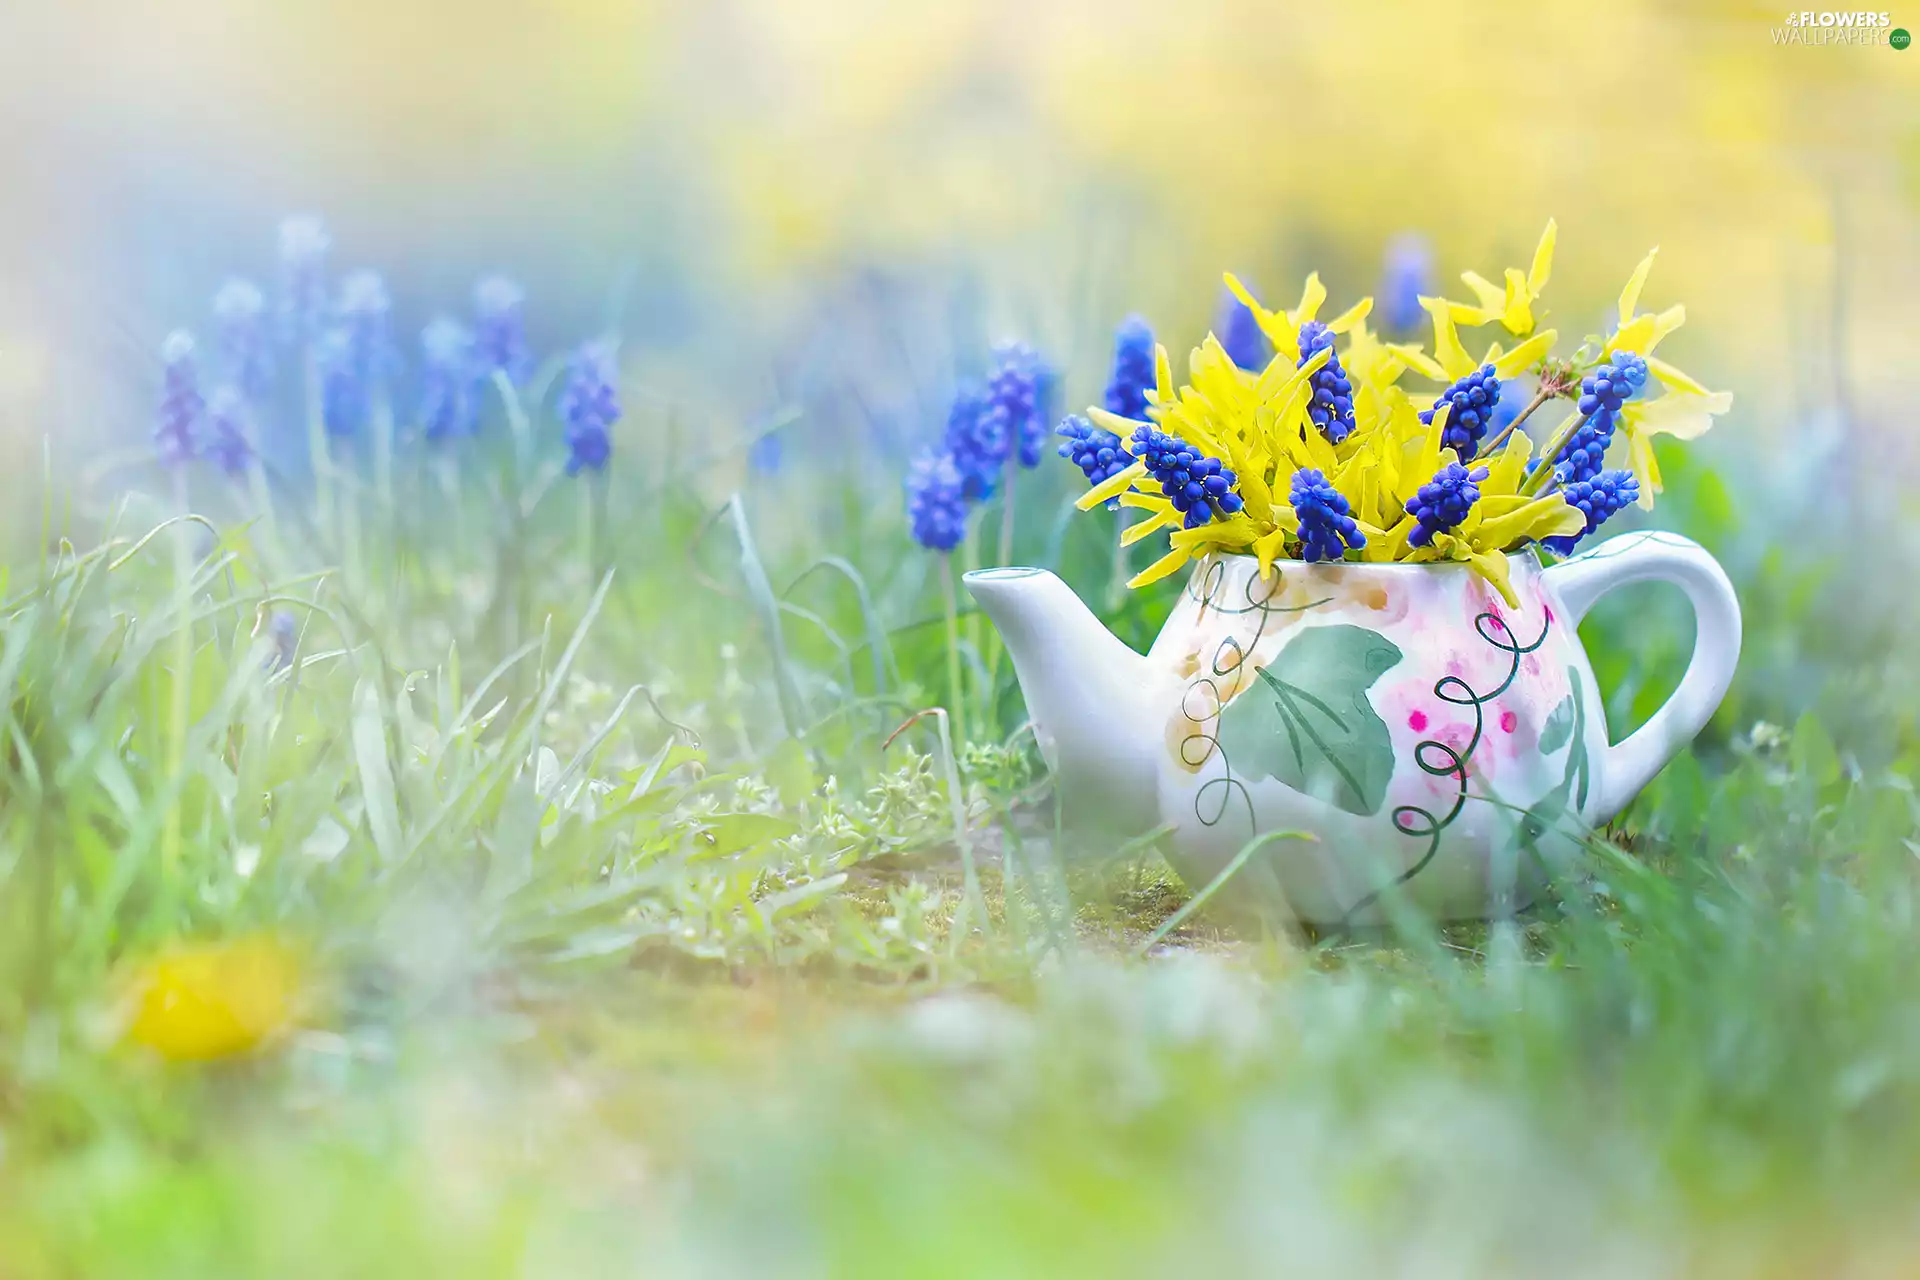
(1437,742)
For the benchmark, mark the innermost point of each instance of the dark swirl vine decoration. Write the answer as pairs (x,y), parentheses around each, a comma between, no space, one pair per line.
(1441,760)
(1211,800)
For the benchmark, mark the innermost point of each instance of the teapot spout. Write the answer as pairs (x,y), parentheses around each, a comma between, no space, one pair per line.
(1096,704)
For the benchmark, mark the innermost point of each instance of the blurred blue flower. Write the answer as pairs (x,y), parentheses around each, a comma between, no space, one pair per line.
(225,441)
(1013,397)
(181,404)
(284,631)
(450,377)
(355,352)
(1133,371)
(1443,502)
(240,318)
(1408,274)
(1332,405)
(304,245)
(365,310)
(977,443)
(1327,527)
(936,501)
(346,399)
(1240,334)
(500,328)
(1597,499)
(1198,486)
(1513,398)
(767,453)
(590,405)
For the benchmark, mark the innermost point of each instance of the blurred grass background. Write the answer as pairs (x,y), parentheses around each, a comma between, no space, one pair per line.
(723,1025)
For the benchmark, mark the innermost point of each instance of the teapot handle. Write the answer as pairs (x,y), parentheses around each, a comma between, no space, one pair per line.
(1629,765)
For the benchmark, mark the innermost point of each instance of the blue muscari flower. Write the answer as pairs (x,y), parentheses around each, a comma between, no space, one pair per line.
(1013,400)
(977,441)
(1602,392)
(1332,406)
(365,310)
(1443,502)
(500,328)
(354,352)
(1133,371)
(1408,274)
(240,317)
(1473,399)
(450,373)
(1095,451)
(181,404)
(1585,451)
(936,501)
(345,398)
(590,405)
(1614,383)
(1240,334)
(1597,499)
(224,442)
(1327,527)
(1199,486)
(304,245)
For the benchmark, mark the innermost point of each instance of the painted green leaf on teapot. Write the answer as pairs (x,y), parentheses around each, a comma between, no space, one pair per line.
(1559,810)
(1307,722)
(1558,728)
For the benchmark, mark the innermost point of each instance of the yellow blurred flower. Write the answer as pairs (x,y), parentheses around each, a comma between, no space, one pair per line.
(203,1002)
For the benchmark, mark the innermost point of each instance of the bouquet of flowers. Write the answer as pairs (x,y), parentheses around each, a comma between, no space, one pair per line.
(1324,455)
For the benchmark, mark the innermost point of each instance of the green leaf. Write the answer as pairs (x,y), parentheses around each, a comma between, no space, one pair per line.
(1811,751)
(376,773)
(791,773)
(731,832)
(1545,816)
(1558,728)
(670,757)
(515,832)
(1308,722)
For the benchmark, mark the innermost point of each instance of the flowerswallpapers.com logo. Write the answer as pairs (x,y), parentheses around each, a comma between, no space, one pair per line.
(1854,27)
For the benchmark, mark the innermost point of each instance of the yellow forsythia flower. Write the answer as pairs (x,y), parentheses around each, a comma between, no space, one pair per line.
(1263,427)
(208,1001)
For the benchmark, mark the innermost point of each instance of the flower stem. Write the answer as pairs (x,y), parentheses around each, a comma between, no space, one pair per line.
(517,421)
(955,705)
(1536,484)
(317,449)
(992,656)
(1006,513)
(348,496)
(586,526)
(970,550)
(179,700)
(1540,398)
